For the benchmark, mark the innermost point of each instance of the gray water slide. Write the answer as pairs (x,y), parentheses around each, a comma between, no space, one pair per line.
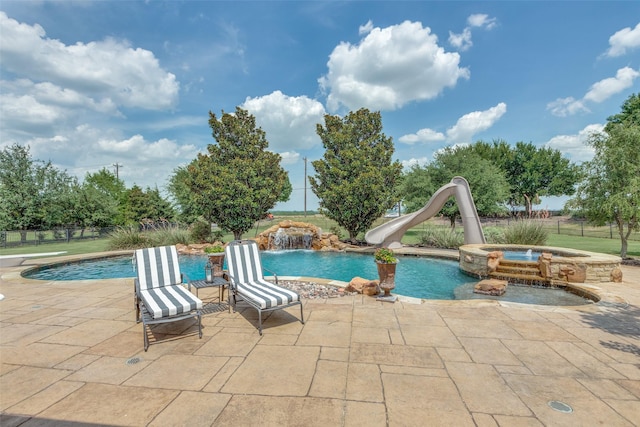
(390,234)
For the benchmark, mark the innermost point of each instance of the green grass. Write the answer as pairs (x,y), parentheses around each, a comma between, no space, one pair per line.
(412,237)
(72,248)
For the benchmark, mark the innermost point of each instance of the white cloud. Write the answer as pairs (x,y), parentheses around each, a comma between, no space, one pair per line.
(365,29)
(423,135)
(606,88)
(623,40)
(574,146)
(598,92)
(482,20)
(407,164)
(289,122)
(464,129)
(109,72)
(569,106)
(389,68)
(475,122)
(89,149)
(289,157)
(462,41)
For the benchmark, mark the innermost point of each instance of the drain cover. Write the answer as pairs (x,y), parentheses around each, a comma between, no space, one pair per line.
(560,406)
(133,361)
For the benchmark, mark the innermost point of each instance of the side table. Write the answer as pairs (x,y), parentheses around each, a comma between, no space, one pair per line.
(218,282)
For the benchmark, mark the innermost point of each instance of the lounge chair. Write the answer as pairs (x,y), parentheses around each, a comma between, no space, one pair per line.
(159,294)
(247,281)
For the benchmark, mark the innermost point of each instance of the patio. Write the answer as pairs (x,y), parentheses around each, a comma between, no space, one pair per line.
(71,352)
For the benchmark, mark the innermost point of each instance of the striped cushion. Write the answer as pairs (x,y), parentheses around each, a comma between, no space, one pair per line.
(157,267)
(266,294)
(245,269)
(169,301)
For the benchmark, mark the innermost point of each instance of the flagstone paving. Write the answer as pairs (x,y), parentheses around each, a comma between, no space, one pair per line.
(71,352)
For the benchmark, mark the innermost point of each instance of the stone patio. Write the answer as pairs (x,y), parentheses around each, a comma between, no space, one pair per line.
(71,352)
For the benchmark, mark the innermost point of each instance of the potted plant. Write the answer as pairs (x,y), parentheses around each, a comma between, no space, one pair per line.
(216,258)
(387,261)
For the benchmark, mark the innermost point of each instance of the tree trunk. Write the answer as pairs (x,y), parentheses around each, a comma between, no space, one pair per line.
(452,222)
(528,205)
(237,235)
(623,236)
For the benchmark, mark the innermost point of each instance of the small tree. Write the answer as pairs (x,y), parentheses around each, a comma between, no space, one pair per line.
(238,181)
(356,179)
(610,192)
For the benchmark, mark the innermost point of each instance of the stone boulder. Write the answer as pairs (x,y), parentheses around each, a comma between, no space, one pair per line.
(616,275)
(493,287)
(544,265)
(363,286)
(574,273)
(493,260)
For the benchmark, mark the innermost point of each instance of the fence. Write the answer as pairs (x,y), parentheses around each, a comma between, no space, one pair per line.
(10,239)
(552,225)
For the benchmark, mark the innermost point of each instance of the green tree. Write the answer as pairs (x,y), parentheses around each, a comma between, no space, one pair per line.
(33,194)
(531,171)
(610,191)
(356,178)
(488,184)
(238,181)
(102,193)
(145,206)
(178,187)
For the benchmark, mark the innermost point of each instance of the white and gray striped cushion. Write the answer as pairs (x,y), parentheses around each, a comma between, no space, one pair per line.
(169,301)
(159,279)
(245,268)
(157,267)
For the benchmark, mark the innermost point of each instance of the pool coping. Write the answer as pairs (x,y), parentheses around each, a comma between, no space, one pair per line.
(604,297)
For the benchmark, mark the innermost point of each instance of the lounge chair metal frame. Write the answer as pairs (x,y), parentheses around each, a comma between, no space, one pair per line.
(172,312)
(239,285)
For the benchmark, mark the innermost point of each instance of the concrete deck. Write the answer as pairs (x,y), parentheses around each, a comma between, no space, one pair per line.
(71,352)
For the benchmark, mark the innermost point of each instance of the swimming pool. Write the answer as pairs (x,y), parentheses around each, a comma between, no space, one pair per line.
(415,276)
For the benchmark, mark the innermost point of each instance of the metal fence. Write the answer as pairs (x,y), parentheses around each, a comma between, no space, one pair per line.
(9,239)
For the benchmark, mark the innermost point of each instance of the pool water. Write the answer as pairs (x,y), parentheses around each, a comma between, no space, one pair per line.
(415,276)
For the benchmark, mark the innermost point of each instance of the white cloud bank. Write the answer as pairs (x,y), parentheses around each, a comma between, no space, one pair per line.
(390,67)
(464,129)
(61,101)
(574,146)
(598,92)
(624,40)
(290,122)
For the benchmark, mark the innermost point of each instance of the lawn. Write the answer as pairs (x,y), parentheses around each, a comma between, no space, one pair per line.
(594,244)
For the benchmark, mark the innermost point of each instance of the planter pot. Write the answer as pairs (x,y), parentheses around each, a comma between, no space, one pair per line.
(387,276)
(216,260)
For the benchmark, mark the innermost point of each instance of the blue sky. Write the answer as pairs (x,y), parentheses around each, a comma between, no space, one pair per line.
(89,84)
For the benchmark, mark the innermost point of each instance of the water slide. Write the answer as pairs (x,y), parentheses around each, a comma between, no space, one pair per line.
(390,233)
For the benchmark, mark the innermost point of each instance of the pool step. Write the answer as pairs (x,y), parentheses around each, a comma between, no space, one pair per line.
(519,278)
(533,271)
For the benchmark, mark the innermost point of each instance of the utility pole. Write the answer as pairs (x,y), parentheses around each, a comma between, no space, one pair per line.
(305,186)
(117,166)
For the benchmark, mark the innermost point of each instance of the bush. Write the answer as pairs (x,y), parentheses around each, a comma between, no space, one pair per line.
(524,232)
(169,236)
(201,231)
(445,238)
(127,238)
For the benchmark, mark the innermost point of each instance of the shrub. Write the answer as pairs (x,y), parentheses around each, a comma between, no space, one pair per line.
(169,236)
(442,238)
(201,231)
(524,232)
(127,238)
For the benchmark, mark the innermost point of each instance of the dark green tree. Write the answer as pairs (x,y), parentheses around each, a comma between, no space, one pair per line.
(140,206)
(356,179)
(102,193)
(532,171)
(610,191)
(33,194)
(488,184)
(238,181)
